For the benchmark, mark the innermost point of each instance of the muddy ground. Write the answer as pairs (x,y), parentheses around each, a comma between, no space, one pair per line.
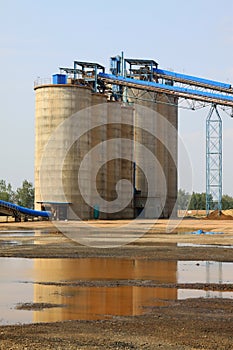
(182,324)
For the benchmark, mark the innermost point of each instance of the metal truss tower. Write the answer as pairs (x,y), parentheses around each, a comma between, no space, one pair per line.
(213,160)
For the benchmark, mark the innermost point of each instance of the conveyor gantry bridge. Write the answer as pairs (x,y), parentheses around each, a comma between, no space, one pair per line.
(144,75)
(149,78)
(204,91)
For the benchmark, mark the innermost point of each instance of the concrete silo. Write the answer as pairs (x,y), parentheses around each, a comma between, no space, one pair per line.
(120,127)
(155,128)
(155,123)
(108,112)
(55,104)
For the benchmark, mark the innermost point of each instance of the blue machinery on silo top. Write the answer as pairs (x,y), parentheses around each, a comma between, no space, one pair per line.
(144,75)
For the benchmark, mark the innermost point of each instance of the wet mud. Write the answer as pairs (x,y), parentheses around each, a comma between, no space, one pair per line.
(171,292)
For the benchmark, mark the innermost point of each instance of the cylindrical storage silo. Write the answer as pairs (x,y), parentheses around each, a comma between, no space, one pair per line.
(152,128)
(120,167)
(168,110)
(113,165)
(99,114)
(127,153)
(54,105)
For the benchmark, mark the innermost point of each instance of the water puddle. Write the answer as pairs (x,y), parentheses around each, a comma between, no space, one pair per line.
(49,290)
(11,242)
(18,233)
(204,245)
(204,272)
(24,233)
(192,293)
(17,237)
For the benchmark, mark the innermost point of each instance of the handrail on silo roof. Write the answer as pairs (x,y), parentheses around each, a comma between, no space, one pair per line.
(42,81)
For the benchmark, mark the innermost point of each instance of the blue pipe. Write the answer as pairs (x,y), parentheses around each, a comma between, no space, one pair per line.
(25,211)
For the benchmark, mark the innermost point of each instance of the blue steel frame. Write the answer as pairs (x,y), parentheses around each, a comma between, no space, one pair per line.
(213,161)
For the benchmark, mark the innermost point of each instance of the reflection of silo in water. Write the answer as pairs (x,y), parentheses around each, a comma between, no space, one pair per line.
(155,117)
(94,302)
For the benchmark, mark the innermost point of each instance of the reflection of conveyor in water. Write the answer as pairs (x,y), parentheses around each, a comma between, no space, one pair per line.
(18,212)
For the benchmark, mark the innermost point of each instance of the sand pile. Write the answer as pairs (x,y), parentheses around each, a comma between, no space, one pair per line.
(228,212)
(214,215)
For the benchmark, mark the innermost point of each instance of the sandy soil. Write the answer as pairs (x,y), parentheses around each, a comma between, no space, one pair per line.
(182,324)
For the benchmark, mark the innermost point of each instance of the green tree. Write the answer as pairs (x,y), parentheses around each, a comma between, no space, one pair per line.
(25,195)
(211,203)
(227,202)
(193,202)
(6,192)
(202,201)
(183,199)
(197,201)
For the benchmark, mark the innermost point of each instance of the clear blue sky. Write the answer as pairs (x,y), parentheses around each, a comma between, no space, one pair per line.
(194,37)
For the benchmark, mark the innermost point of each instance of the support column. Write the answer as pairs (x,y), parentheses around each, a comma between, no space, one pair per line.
(213,161)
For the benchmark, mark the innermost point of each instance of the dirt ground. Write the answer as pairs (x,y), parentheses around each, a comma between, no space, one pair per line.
(181,324)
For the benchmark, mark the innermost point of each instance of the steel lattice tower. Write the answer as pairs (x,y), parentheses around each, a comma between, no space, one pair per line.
(213,160)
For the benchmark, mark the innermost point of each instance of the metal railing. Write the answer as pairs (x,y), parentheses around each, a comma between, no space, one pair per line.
(42,81)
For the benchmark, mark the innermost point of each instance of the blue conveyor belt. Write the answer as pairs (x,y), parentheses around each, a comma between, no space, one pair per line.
(25,211)
(188,79)
(223,99)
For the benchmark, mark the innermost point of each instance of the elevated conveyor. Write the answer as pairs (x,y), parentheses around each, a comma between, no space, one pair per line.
(10,209)
(137,80)
(204,96)
(191,80)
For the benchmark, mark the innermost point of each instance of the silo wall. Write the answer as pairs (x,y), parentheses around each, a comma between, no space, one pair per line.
(54,104)
(155,126)
(120,128)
